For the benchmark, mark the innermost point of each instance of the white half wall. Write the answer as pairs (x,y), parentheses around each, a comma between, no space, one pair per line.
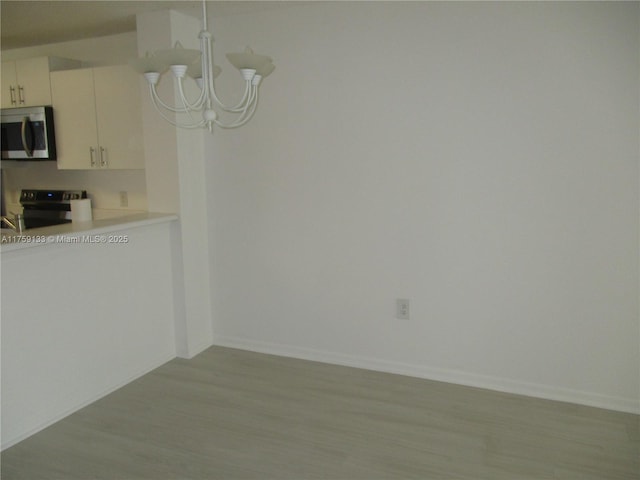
(80,320)
(480,159)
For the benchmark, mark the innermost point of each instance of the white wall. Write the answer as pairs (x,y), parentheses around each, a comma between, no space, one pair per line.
(103,187)
(176,183)
(480,159)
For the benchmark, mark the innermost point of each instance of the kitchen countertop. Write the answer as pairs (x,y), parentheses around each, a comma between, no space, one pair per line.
(94,231)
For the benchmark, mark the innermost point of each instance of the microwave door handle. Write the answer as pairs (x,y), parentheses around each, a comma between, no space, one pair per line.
(23,134)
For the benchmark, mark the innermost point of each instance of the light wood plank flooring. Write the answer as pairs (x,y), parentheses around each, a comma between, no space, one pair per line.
(231,414)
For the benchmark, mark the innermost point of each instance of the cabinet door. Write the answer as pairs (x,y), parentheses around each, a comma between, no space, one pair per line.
(32,77)
(119,117)
(74,113)
(9,97)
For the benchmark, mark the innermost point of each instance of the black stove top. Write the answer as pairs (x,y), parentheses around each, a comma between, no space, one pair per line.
(42,208)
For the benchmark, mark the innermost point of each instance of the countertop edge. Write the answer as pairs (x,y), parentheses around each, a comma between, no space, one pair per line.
(39,237)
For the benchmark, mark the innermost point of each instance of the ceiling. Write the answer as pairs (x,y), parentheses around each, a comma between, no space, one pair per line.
(26,23)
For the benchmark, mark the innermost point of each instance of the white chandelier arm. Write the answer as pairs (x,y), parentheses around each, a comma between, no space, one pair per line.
(242,105)
(199,102)
(250,103)
(245,117)
(188,106)
(158,101)
(238,123)
(172,122)
(207,66)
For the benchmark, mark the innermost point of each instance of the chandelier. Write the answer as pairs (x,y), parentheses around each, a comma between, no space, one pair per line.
(198,65)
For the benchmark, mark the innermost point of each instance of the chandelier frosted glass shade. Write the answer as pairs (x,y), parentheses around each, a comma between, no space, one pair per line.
(248,59)
(198,65)
(177,55)
(148,63)
(265,70)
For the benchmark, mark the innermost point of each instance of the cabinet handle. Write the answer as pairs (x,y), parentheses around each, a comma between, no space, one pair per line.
(12,94)
(92,156)
(21,94)
(103,157)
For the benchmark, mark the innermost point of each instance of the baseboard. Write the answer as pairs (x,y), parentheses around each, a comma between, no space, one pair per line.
(194,350)
(547,392)
(143,371)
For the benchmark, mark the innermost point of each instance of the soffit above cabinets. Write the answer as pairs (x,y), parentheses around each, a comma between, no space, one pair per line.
(29,23)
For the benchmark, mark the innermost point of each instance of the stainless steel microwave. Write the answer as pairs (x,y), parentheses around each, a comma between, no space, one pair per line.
(28,134)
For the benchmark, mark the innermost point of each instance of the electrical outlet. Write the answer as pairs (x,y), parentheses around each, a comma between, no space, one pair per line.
(124,199)
(402,309)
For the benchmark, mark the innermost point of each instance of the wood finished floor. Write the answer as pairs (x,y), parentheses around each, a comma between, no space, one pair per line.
(231,414)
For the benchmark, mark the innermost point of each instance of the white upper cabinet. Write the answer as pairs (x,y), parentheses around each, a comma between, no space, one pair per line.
(25,83)
(74,113)
(98,120)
